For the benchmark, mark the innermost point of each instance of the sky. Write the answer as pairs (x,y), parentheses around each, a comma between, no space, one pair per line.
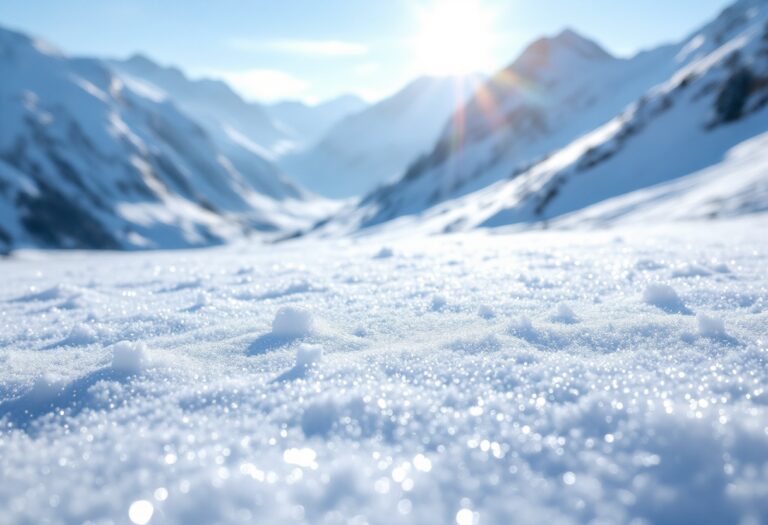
(313,50)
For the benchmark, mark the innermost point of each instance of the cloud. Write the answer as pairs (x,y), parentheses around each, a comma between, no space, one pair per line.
(316,48)
(262,84)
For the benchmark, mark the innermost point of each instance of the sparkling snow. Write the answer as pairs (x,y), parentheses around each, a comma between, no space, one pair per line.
(480,378)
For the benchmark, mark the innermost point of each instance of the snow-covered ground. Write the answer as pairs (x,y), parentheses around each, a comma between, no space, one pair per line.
(616,376)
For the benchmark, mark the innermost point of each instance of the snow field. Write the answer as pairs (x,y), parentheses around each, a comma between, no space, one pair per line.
(584,398)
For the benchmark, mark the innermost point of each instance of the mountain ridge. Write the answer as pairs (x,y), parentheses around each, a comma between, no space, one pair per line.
(506,151)
(88,162)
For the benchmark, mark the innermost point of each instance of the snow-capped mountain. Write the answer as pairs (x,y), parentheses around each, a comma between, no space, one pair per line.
(375,145)
(224,114)
(542,138)
(309,123)
(87,160)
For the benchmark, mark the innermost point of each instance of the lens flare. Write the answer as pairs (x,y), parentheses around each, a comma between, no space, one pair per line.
(455,38)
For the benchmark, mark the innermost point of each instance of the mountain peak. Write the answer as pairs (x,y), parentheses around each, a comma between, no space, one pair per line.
(565,49)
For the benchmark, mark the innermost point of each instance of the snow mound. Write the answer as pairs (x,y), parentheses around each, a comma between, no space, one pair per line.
(521,327)
(665,298)
(80,335)
(319,417)
(45,388)
(564,315)
(438,303)
(486,312)
(384,253)
(129,358)
(711,327)
(293,322)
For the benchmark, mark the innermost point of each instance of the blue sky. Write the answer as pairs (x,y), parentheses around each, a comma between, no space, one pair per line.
(316,49)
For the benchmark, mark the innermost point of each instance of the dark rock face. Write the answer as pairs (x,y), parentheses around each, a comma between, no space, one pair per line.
(56,221)
(733,95)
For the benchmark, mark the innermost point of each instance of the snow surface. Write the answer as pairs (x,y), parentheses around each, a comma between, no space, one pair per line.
(152,387)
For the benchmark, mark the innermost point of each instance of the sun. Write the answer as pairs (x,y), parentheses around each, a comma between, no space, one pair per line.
(455,38)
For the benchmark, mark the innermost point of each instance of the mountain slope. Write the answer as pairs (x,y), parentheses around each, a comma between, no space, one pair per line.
(211,102)
(709,99)
(308,124)
(368,148)
(736,186)
(87,161)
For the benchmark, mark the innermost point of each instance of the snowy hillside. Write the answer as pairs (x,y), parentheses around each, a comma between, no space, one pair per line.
(89,161)
(736,186)
(375,145)
(309,123)
(223,113)
(552,377)
(552,139)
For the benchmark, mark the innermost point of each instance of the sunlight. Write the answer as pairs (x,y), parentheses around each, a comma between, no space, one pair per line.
(455,38)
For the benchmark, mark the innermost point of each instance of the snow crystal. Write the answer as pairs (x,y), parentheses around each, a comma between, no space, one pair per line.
(129,358)
(293,322)
(665,298)
(140,512)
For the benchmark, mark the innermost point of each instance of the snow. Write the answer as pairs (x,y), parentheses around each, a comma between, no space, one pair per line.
(665,298)
(486,312)
(129,358)
(86,161)
(574,128)
(308,355)
(711,326)
(292,322)
(394,412)
(565,315)
(384,253)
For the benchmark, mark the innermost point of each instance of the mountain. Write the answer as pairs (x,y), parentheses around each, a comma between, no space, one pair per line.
(567,125)
(375,145)
(736,186)
(308,123)
(90,161)
(212,103)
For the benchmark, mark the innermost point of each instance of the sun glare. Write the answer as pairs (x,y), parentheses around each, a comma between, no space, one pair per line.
(455,38)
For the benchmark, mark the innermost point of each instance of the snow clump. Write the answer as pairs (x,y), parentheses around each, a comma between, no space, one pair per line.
(664,297)
(711,327)
(129,358)
(293,322)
